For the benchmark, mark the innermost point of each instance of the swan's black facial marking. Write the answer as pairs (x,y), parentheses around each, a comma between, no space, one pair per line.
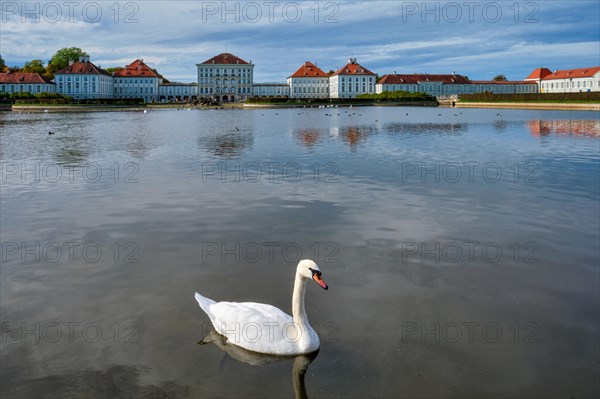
(316,275)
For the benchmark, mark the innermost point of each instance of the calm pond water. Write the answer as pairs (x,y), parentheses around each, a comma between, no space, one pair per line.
(461,248)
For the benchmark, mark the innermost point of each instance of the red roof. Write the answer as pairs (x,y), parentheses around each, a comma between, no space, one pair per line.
(416,78)
(539,73)
(225,58)
(505,82)
(82,67)
(309,70)
(138,69)
(353,68)
(573,73)
(23,78)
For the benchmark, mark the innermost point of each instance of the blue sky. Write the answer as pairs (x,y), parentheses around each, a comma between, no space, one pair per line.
(479,39)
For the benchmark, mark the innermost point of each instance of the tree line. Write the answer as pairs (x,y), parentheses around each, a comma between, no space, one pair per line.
(58,61)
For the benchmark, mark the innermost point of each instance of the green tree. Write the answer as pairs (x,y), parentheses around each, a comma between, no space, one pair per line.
(34,66)
(61,59)
(500,78)
(2,64)
(112,70)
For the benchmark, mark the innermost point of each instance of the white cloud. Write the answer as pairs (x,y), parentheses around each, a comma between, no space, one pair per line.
(532,51)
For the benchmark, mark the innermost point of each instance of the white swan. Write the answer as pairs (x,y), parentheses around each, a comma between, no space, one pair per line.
(264,328)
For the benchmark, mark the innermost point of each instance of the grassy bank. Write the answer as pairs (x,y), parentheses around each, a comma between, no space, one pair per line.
(387,98)
(35,108)
(398,97)
(355,104)
(294,104)
(538,105)
(560,98)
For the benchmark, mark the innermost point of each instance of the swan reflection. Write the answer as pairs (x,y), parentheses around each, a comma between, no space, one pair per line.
(240,354)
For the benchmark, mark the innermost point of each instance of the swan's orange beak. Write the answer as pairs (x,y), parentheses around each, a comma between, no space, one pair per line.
(320,281)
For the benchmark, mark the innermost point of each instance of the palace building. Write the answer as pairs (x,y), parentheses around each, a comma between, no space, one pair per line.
(351,80)
(271,90)
(503,87)
(83,79)
(309,81)
(225,78)
(566,80)
(450,85)
(424,83)
(20,82)
(177,91)
(137,80)
(228,78)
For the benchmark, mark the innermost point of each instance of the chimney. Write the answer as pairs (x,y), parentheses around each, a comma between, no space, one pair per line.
(71,62)
(394,72)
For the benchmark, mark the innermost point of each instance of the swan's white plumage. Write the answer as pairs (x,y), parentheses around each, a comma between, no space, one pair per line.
(205,304)
(264,328)
(258,327)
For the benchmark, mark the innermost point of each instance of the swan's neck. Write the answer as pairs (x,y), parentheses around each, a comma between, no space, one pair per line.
(298,303)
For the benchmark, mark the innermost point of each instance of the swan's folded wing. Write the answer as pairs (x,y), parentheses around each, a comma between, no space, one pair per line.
(254,326)
(205,303)
(230,313)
